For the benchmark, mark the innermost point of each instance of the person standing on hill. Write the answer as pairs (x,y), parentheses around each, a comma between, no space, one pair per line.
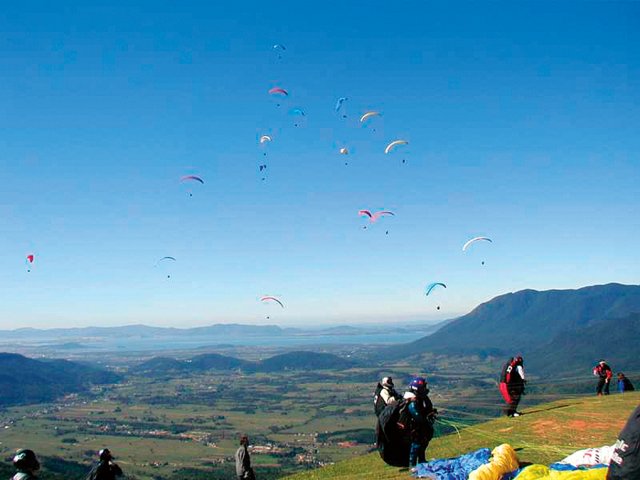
(106,469)
(604,374)
(512,384)
(26,463)
(419,421)
(243,461)
(624,384)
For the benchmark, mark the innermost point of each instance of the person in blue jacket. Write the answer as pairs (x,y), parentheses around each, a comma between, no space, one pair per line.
(624,384)
(422,417)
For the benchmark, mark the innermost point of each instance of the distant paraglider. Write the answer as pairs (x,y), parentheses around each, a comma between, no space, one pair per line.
(344,151)
(265,139)
(368,115)
(278,47)
(298,113)
(431,286)
(29,261)
(339,103)
(474,240)
(164,260)
(191,178)
(278,92)
(374,217)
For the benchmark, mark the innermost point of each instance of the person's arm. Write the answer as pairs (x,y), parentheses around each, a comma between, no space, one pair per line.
(521,371)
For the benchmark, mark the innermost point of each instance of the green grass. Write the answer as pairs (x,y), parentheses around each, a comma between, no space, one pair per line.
(546,433)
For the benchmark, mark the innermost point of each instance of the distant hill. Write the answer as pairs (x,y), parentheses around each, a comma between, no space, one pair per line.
(615,339)
(304,361)
(528,320)
(25,380)
(301,360)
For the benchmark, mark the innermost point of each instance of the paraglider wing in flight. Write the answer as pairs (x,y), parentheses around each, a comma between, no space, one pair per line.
(265,138)
(268,298)
(194,178)
(368,115)
(473,240)
(431,286)
(394,144)
(279,91)
(364,213)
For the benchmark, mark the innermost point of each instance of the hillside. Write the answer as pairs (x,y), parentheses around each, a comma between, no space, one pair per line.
(298,360)
(25,380)
(546,433)
(615,339)
(525,321)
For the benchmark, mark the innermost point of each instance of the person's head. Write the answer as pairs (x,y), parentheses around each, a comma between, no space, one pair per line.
(26,459)
(602,362)
(105,455)
(620,375)
(419,386)
(518,360)
(387,382)
(244,440)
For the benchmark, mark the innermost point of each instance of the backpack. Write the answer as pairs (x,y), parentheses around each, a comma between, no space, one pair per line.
(392,441)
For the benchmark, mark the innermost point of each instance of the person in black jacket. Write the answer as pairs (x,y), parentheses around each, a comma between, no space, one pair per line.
(106,469)
(26,463)
(625,461)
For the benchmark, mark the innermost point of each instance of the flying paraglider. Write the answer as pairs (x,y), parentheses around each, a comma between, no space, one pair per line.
(278,47)
(298,112)
(166,259)
(339,103)
(278,91)
(29,261)
(191,178)
(344,151)
(269,298)
(394,144)
(373,217)
(473,240)
(265,139)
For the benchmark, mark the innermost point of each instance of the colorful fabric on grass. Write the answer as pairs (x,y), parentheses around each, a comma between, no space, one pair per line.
(457,468)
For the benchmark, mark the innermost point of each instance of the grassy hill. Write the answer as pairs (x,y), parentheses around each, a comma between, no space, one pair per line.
(546,433)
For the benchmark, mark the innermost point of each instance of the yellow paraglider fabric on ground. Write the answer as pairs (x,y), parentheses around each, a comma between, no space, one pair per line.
(542,472)
(503,460)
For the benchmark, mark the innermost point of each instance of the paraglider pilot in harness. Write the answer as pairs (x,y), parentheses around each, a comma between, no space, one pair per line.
(26,462)
(385,394)
(422,416)
(512,384)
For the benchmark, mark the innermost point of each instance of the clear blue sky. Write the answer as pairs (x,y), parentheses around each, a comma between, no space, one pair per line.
(523,122)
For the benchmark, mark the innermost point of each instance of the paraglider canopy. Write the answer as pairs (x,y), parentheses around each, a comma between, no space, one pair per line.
(265,138)
(368,115)
(194,178)
(269,298)
(473,240)
(431,286)
(394,144)
(278,91)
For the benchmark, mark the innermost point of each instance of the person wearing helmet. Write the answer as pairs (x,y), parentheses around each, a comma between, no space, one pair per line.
(243,461)
(604,374)
(106,469)
(26,462)
(422,416)
(512,384)
(385,394)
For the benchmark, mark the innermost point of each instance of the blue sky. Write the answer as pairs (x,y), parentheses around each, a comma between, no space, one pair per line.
(522,120)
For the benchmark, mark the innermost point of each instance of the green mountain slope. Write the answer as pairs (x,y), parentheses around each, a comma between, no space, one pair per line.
(526,320)
(25,380)
(546,433)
